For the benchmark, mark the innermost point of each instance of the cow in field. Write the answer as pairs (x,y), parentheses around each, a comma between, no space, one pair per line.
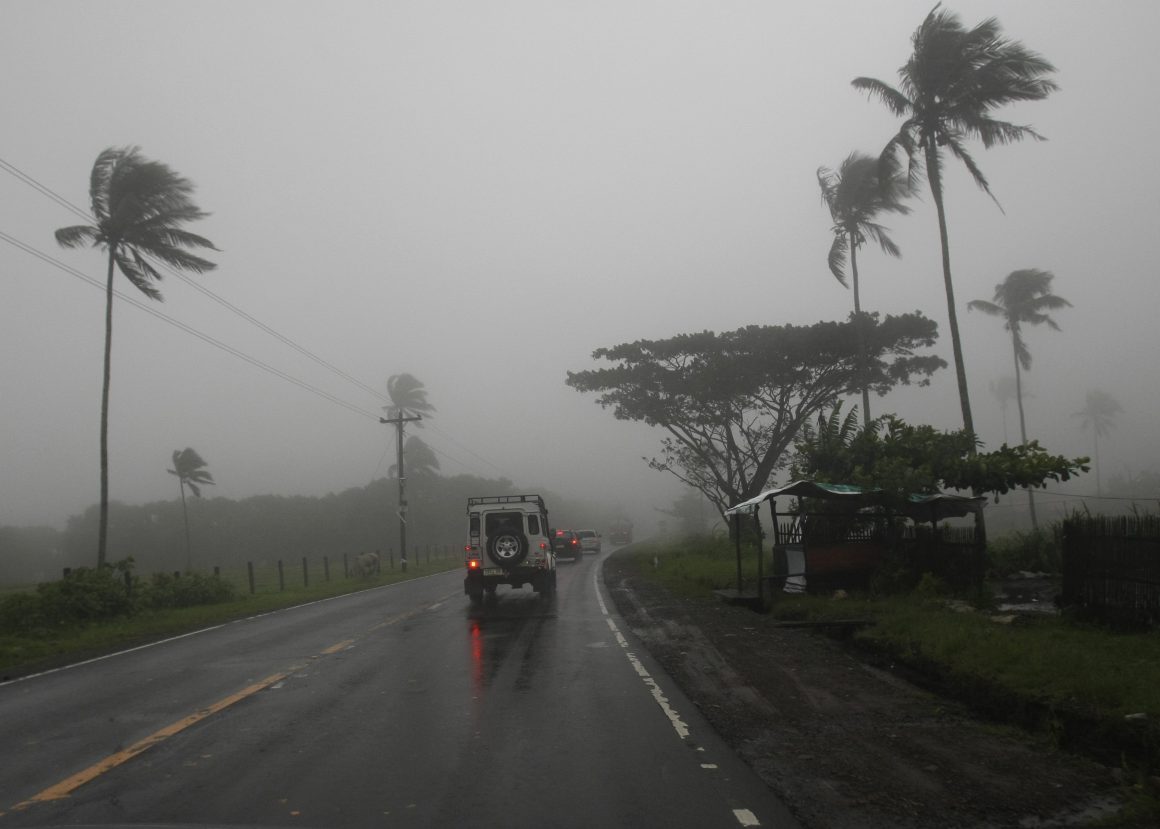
(365,564)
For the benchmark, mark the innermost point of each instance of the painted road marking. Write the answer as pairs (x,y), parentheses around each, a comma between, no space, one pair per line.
(66,787)
(743,816)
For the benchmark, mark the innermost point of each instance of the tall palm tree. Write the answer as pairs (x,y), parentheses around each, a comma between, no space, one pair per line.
(855,195)
(139,208)
(1003,390)
(408,399)
(955,78)
(419,458)
(1099,415)
(408,396)
(1023,298)
(190,470)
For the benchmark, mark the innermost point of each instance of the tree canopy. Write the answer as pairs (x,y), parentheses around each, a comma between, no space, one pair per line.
(901,458)
(732,403)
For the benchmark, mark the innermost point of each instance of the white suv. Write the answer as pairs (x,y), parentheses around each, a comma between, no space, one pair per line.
(589,540)
(508,543)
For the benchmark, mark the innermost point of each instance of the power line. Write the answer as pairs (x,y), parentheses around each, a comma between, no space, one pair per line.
(87,216)
(184,327)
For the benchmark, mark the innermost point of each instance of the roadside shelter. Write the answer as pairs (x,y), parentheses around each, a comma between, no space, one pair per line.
(843,548)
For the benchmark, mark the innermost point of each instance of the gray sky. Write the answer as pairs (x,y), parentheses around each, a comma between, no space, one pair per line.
(427,187)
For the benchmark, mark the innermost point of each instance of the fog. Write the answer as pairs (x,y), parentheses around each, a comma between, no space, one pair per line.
(482,193)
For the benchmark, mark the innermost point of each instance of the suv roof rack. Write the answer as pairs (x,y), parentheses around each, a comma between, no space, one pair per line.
(507,499)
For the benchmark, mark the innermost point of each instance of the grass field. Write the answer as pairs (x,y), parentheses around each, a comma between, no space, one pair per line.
(1076,680)
(23,654)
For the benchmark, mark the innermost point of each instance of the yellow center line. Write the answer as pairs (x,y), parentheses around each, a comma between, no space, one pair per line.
(64,788)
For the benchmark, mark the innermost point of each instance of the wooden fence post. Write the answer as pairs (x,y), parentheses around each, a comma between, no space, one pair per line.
(250,573)
(305,573)
(281,577)
(326,568)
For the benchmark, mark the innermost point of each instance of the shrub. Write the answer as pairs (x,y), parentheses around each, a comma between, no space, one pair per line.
(187,590)
(21,613)
(87,595)
(1036,551)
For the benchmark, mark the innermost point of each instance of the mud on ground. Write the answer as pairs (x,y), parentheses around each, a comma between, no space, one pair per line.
(845,744)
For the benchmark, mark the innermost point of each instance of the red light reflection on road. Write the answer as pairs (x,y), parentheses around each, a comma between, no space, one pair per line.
(476,656)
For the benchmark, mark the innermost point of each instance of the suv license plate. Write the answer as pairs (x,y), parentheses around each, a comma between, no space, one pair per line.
(492,571)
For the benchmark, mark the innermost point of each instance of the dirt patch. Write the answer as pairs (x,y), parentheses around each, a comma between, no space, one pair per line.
(845,744)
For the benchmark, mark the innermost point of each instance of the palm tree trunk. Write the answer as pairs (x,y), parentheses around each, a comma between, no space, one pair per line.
(1023,429)
(185,515)
(1096,439)
(103,526)
(860,332)
(934,176)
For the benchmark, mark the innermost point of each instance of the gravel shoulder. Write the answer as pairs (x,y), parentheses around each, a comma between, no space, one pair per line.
(846,744)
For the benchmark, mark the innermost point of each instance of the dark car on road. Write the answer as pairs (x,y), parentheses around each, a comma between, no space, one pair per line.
(567,543)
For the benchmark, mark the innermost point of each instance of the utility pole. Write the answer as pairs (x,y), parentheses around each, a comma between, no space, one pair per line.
(402,513)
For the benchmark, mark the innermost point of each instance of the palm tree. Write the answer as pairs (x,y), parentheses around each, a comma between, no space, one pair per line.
(139,207)
(1003,390)
(1099,415)
(408,396)
(855,195)
(949,87)
(190,470)
(418,457)
(408,399)
(1024,297)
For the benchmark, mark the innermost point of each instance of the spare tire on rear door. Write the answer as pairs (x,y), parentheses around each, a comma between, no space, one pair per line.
(507,547)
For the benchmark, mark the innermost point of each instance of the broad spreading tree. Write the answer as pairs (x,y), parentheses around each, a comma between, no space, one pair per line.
(732,403)
(140,208)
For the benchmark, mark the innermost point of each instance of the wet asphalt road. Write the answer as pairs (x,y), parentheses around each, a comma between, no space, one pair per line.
(397,706)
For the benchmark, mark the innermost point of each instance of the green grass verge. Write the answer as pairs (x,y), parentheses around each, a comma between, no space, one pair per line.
(1078,682)
(26,654)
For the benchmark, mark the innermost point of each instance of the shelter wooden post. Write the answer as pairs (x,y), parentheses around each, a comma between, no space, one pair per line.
(737,541)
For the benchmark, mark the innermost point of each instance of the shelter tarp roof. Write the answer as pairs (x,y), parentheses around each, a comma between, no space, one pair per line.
(919,507)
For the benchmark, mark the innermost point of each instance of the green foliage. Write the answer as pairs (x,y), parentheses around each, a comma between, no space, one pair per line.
(901,459)
(1036,551)
(87,595)
(732,403)
(188,590)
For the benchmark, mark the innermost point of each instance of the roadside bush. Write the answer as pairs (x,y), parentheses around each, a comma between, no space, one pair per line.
(21,613)
(188,590)
(87,595)
(1036,551)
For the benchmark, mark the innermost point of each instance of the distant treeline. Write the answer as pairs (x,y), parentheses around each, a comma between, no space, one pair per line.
(265,528)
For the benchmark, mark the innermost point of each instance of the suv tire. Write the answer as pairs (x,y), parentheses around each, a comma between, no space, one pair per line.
(507,548)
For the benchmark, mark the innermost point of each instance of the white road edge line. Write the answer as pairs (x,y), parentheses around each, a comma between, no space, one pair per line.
(206,630)
(744,816)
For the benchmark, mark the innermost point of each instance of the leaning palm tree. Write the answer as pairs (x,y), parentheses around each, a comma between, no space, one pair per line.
(139,208)
(955,78)
(408,401)
(419,459)
(408,396)
(190,470)
(855,195)
(1099,415)
(1023,298)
